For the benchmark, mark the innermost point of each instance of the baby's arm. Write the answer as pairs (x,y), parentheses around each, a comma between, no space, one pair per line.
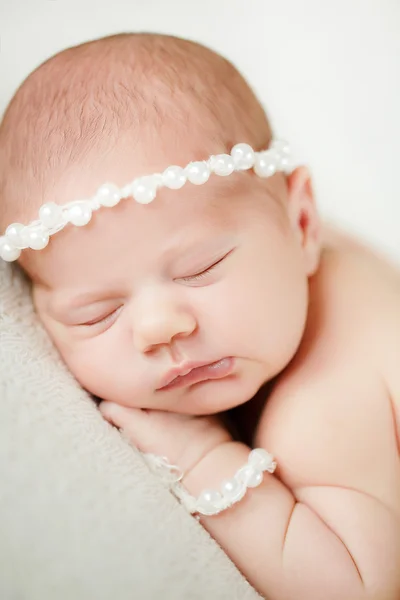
(335,535)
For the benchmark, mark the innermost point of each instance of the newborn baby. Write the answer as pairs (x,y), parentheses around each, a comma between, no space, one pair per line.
(227,298)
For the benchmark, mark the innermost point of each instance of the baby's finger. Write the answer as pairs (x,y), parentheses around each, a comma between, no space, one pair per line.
(149,430)
(121,416)
(132,422)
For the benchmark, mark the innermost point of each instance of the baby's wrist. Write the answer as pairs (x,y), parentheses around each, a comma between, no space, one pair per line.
(223,476)
(219,463)
(219,479)
(195,455)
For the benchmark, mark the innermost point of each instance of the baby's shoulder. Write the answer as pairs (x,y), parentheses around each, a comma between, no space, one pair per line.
(342,390)
(354,304)
(363,274)
(370,313)
(358,293)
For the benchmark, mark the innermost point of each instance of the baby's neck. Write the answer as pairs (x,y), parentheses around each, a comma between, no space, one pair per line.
(242,420)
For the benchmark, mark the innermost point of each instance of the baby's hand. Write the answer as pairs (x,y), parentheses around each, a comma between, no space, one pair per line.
(183,439)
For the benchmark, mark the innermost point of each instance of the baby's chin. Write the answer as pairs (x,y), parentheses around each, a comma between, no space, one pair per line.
(221,395)
(206,397)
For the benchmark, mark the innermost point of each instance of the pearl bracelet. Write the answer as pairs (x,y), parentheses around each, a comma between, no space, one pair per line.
(212,502)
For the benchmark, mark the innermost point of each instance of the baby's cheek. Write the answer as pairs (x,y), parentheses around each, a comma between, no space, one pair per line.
(109,372)
(285,323)
(269,313)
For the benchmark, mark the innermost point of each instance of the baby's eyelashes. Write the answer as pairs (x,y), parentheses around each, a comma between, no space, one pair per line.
(103,319)
(203,273)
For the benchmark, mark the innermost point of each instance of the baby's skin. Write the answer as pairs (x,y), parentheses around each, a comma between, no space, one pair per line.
(326,524)
(303,322)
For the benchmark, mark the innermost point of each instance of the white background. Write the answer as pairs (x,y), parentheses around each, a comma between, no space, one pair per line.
(328,73)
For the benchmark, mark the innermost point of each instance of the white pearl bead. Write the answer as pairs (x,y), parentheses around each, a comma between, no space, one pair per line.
(208,499)
(243,156)
(8,252)
(250,476)
(144,189)
(285,164)
(260,459)
(198,172)
(38,239)
(50,214)
(174,177)
(232,489)
(222,164)
(13,233)
(80,214)
(24,236)
(266,163)
(281,146)
(108,195)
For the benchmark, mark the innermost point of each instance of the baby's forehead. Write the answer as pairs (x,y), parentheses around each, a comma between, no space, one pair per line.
(131,236)
(149,231)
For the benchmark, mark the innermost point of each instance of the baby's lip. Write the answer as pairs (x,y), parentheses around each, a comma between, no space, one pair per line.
(182,370)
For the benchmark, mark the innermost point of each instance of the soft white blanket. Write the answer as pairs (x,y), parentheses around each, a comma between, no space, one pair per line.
(81,517)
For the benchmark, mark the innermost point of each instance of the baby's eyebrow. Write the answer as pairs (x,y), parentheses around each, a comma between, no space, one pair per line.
(190,243)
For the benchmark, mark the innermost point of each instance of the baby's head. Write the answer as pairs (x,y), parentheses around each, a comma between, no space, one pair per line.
(202,273)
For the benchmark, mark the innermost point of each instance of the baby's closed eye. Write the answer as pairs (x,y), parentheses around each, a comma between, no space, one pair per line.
(103,319)
(204,272)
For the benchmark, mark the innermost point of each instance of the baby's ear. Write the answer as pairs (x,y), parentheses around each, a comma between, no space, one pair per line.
(304,217)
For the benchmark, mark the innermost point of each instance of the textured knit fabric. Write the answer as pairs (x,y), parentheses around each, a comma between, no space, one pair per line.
(81,517)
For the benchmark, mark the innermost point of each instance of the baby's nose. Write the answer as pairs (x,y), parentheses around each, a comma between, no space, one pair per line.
(158,328)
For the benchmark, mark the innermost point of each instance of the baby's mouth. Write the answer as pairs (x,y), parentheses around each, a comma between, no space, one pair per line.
(215,370)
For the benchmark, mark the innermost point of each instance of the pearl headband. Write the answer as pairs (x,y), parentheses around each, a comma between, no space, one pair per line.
(54,217)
